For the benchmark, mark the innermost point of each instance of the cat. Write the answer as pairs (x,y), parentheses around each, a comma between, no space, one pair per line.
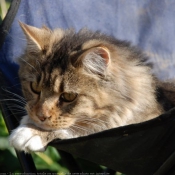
(76,84)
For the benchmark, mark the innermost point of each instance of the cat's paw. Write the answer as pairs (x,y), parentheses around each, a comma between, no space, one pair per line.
(24,139)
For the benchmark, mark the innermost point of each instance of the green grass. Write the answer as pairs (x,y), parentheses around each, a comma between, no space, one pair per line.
(4,5)
(7,153)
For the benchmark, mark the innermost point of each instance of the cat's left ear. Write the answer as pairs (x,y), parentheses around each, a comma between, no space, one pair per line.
(96,60)
(36,37)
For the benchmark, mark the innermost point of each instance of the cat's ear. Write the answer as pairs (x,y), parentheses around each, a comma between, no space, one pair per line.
(36,37)
(96,60)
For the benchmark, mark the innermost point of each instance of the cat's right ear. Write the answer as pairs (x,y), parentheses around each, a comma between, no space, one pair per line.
(96,60)
(37,38)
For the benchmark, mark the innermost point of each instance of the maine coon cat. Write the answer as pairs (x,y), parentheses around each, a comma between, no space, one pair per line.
(76,84)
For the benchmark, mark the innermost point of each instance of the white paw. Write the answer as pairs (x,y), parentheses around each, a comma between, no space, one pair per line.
(24,139)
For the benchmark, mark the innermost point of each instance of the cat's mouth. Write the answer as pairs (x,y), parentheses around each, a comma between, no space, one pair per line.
(50,125)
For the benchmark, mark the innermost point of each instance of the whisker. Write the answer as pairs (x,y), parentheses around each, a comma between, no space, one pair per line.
(100,120)
(92,120)
(13,113)
(16,106)
(81,128)
(82,116)
(13,100)
(30,65)
(70,129)
(17,110)
(16,95)
(95,125)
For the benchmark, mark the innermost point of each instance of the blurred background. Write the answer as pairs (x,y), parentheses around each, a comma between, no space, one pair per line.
(50,161)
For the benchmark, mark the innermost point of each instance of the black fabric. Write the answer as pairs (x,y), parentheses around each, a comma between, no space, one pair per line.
(6,24)
(139,149)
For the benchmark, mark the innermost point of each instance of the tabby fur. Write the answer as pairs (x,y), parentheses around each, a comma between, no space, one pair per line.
(109,82)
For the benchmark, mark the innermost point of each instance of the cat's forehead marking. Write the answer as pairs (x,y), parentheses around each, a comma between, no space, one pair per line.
(56,80)
(57,85)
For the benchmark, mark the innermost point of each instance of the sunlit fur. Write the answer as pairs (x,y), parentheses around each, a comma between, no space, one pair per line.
(111,78)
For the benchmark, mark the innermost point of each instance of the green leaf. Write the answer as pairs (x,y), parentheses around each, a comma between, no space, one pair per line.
(49,161)
(8,162)
(3,130)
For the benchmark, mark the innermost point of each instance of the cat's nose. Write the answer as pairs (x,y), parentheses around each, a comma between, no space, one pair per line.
(43,118)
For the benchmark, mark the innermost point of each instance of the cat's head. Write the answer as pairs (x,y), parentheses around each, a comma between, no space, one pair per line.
(78,80)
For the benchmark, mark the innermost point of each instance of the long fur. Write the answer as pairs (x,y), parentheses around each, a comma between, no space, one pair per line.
(111,79)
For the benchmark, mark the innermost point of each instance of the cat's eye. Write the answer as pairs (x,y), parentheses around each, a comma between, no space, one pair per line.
(68,97)
(35,87)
